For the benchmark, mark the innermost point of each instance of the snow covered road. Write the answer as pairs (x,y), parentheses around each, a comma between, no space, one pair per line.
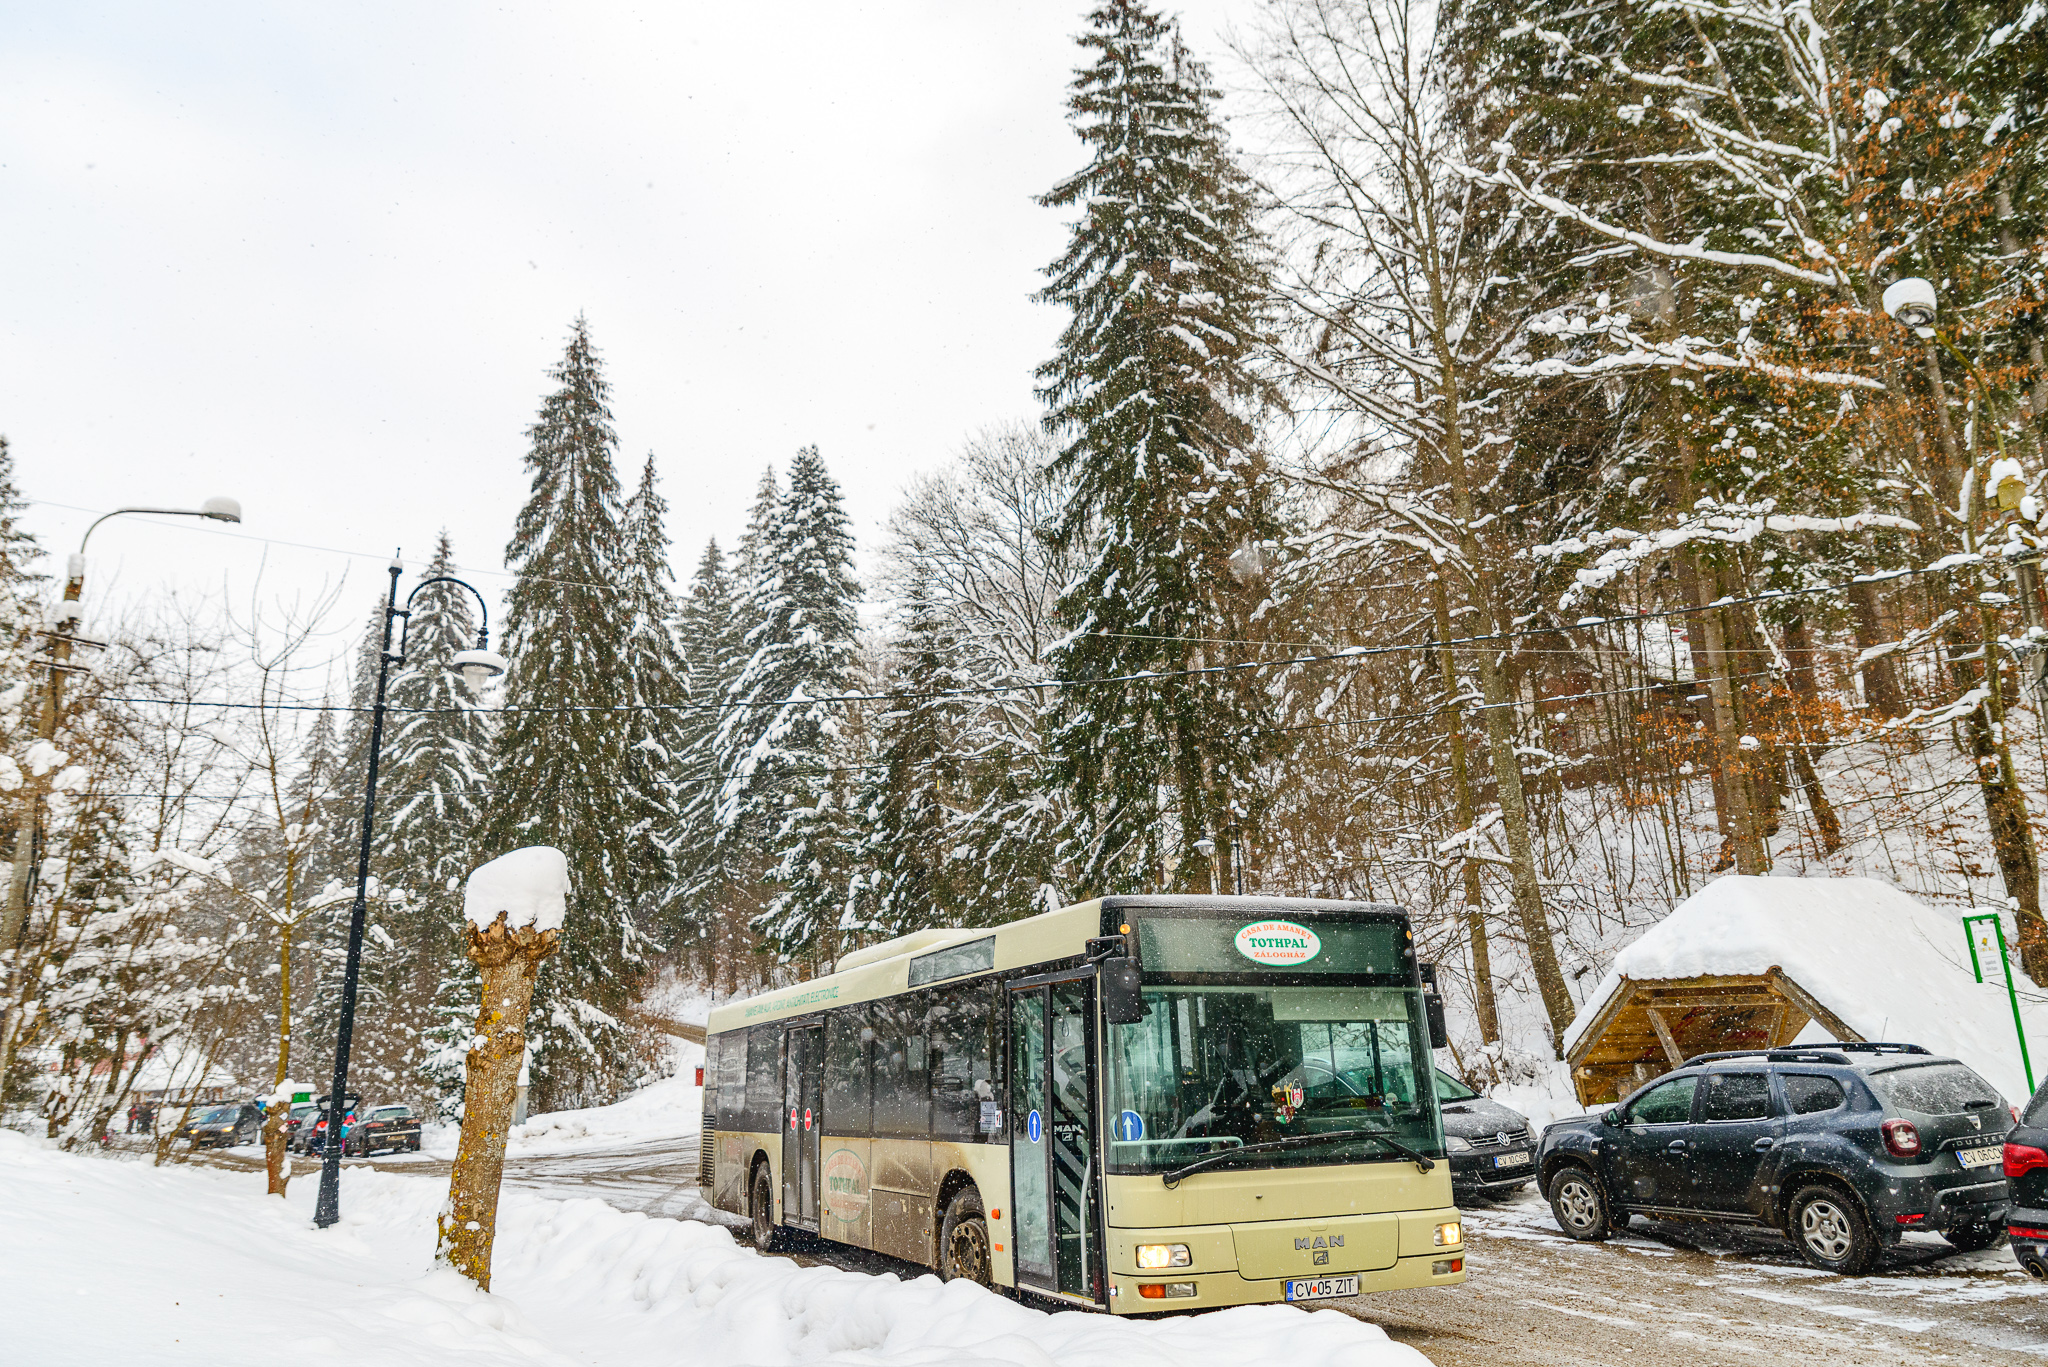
(1666,1294)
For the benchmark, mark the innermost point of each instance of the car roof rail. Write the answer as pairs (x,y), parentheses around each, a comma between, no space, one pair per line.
(1725,1053)
(1878,1047)
(1834,1056)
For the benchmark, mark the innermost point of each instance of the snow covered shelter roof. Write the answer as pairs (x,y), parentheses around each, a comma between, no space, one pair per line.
(1840,957)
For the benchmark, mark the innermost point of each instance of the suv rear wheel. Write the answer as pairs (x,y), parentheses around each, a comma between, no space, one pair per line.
(1579,1205)
(1832,1231)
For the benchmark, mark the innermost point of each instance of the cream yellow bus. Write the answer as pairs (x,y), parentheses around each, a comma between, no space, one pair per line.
(1136,1104)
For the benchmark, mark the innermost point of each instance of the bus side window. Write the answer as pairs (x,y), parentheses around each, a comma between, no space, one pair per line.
(902,1092)
(764,1079)
(961,1061)
(846,1073)
(732,1079)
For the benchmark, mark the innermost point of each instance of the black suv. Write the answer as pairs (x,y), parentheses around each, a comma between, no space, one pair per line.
(2026,1170)
(1843,1147)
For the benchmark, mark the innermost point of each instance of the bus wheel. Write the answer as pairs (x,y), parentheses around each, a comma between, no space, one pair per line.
(963,1240)
(767,1236)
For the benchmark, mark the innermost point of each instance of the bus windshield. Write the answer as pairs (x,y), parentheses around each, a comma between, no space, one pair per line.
(1214,1067)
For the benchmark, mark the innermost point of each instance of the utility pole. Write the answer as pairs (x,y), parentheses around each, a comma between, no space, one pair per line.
(62,631)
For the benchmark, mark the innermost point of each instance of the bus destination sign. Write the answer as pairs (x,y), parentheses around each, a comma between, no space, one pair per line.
(1278,944)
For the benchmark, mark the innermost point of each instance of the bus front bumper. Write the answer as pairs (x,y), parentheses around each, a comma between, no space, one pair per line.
(1214,1290)
(1302,1261)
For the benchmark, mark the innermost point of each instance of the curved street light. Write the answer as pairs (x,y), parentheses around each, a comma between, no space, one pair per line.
(62,630)
(478,666)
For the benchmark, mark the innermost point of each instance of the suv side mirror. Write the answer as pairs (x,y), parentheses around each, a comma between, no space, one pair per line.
(1612,1116)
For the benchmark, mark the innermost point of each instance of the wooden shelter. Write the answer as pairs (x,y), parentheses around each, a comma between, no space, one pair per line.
(1648,1026)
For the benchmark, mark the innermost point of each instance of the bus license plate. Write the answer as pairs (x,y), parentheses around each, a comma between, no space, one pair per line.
(1512,1160)
(1322,1288)
(1989,1157)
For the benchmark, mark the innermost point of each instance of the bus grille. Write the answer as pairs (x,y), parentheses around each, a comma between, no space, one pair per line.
(707,1158)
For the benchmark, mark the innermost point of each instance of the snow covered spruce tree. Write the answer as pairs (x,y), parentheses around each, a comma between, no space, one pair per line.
(1152,391)
(781,774)
(560,773)
(657,736)
(910,820)
(705,925)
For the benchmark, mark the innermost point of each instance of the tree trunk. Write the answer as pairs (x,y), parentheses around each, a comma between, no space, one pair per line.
(510,959)
(1881,687)
(1808,732)
(277,1160)
(1461,779)
(1750,856)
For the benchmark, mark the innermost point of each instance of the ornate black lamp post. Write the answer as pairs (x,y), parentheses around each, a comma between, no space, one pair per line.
(478,666)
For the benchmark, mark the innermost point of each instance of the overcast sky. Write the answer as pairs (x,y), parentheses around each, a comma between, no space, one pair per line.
(318,257)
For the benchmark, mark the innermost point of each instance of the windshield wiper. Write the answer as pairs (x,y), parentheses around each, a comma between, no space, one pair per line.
(1423,1162)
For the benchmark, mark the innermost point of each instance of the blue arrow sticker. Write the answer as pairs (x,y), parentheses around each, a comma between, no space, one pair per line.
(1130,1127)
(1034,1127)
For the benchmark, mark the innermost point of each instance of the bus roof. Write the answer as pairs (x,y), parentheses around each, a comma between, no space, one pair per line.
(883,970)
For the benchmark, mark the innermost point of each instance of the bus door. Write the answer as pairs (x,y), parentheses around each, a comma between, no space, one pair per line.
(1055,1192)
(803,1093)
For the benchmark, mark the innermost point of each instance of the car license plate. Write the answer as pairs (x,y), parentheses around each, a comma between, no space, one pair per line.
(1988,1157)
(1322,1288)
(1511,1160)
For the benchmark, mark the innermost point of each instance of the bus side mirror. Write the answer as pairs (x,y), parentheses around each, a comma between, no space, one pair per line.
(1439,1033)
(1123,1000)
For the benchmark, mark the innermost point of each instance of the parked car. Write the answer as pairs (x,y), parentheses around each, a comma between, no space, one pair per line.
(1843,1147)
(2026,1171)
(315,1127)
(222,1126)
(1491,1150)
(292,1123)
(386,1127)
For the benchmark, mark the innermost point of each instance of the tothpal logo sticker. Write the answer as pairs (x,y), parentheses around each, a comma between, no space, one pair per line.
(1278,944)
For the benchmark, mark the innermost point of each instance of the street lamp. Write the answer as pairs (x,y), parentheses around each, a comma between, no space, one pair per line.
(1911,301)
(63,633)
(478,666)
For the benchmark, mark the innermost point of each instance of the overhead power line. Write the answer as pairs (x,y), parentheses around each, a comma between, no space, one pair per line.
(1947,565)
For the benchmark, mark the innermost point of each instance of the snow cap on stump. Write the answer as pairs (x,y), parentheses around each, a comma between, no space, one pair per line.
(530,887)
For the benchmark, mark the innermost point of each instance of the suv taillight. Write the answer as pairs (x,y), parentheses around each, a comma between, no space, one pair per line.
(1901,1139)
(2023,1158)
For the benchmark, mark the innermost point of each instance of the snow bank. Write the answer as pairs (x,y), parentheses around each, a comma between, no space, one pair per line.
(1892,967)
(200,1267)
(530,886)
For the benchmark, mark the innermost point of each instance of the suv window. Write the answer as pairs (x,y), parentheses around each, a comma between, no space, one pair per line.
(1735,1096)
(2037,1110)
(1806,1094)
(1667,1103)
(1936,1089)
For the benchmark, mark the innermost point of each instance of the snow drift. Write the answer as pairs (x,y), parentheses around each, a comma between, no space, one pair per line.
(209,1270)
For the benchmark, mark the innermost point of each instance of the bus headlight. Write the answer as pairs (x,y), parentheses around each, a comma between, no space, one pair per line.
(1450,1234)
(1164,1255)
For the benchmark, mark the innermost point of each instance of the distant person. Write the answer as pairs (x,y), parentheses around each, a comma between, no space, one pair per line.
(134,1117)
